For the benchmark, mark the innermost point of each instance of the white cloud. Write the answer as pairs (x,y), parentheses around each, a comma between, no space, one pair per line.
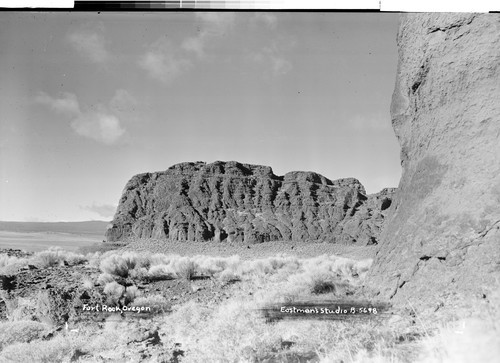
(165,60)
(90,45)
(66,104)
(272,58)
(212,25)
(161,64)
(103,210)
(100,125)
(268,19)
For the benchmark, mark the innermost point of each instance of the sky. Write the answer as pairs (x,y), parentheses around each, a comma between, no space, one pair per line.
(88,100)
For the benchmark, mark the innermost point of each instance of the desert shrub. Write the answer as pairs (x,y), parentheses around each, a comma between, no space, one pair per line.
(327,270)
(6,260)
(184,267)
(161,272)
(57,256)
(93,259)
(320,286)
(363,266)
(472,339)
(228,334)
(184,323)
(208,266)
(344,268)
(270,266)
(107,339)
(87,284)
(308,281)
(348,341)
(228,276)
(131,292)
(236,330)
(133,260)
(114,265)
(125,264)
(18,308)
(230,262)
(50,257)
(108,343)
(161,259)
(21,308)
(300,278)
(114,290)
(276,263)
(73,258)
(266,266)
(22,331)
(289,265)
(104,278)
(138,273)
(57,349)
(158,303)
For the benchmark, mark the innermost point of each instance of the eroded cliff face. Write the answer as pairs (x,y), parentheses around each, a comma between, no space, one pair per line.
(442,235)
(229,201)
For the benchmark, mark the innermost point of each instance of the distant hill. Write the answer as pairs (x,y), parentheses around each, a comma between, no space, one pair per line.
(85,228)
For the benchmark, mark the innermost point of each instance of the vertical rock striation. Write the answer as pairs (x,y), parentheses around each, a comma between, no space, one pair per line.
(442,235)
(234,202)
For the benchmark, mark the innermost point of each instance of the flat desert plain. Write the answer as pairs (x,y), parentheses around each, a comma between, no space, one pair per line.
(38,241)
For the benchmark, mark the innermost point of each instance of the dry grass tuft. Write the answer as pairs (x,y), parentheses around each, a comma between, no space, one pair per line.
(58,349)
(22,331)
(158,303)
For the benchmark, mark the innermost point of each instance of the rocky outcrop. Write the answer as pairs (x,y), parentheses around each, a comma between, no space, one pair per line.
(52,295)
(229,201)
(442,237)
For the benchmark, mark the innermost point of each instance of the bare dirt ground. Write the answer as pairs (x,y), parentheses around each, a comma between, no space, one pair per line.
(254,251)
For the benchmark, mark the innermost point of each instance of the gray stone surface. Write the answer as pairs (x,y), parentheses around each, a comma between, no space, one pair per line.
(442,238)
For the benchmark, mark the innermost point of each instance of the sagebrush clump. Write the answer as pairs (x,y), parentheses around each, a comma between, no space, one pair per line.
(114,291)
(56,256)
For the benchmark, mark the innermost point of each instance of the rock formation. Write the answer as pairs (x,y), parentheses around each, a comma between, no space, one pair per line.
(229,201)
(442,237)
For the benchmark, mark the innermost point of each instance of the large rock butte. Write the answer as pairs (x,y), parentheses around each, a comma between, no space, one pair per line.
(234,202)
(442,240)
